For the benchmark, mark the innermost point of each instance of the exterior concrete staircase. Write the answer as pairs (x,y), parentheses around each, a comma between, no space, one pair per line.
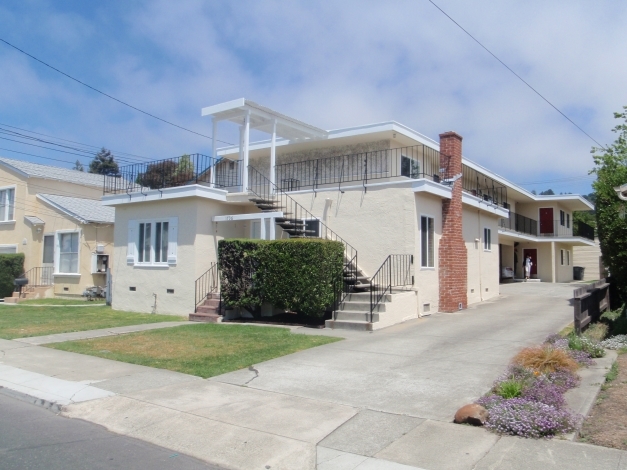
(29,293)
(209,311)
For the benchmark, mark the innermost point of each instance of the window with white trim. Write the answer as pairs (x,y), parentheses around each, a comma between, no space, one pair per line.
(427,243)
(7,204)
(568,257)
(562,215)
(567,220)
(562,257)
(68,252)
(153,242)
(487,239)
(8,249)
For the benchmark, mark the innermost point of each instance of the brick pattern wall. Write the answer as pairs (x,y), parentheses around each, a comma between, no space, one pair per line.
(452,254)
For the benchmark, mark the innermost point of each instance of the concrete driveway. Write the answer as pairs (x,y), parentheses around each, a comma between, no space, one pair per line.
(425,368)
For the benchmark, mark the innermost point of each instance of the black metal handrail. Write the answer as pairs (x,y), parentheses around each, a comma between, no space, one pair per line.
(173,172)
(415,162)
(520,223)
(582,229)
(483,187)
(40,276)
(394,272)
(208,283)
(296,214)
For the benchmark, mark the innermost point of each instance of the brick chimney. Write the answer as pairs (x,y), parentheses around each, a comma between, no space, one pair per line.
(452,254)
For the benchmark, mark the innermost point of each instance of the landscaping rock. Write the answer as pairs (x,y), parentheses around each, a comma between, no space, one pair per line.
(471,414)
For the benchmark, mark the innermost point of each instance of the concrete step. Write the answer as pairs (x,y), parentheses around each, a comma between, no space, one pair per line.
(10,300)
(364,297)
(348,325)
(205,317)
(215,303)
(359,316)
(204,309)
(354,306)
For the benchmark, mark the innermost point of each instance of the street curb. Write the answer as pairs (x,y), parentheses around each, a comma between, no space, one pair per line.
(46,404)
(587,399)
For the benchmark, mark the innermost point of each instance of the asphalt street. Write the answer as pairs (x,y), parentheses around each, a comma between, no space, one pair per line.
(33,438)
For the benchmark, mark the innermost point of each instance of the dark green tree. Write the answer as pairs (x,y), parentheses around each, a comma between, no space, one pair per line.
(104,163)
(611,171)
(548,192)
(78,166)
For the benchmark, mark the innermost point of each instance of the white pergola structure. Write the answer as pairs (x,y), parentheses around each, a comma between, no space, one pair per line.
(249,115)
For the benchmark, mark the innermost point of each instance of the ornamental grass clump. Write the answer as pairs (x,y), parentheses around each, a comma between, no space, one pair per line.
(545,359)
(509,389)
(526,418)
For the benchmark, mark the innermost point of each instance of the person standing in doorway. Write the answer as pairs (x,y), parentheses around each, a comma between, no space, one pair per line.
(528,264)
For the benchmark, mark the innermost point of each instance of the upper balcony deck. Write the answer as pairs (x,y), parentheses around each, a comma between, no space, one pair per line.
(380,166)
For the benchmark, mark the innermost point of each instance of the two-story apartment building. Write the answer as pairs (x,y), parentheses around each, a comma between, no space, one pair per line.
(381,189)
(54,216)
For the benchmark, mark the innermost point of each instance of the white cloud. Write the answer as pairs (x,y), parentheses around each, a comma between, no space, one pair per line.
(338,64)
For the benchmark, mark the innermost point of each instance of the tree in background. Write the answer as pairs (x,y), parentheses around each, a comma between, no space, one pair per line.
(611,171)
(587,217)
(78,166)
(104,163)
(548,192)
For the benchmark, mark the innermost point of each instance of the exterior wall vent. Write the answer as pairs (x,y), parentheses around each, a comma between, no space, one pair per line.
(426,308)
(132,289)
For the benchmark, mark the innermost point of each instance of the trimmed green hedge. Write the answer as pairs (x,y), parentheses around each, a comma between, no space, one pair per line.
(292,274)
(11,266)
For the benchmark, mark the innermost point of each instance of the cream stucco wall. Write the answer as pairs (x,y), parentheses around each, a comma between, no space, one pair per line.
(29,240)
(197,241)
(483,265)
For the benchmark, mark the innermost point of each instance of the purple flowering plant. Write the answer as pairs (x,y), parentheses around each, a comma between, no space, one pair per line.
(540,410)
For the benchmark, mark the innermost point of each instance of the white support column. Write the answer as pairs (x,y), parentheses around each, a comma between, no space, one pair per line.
(214,146)
(262,229)
(553,263)
(273,154)
(245,151)
(272,229)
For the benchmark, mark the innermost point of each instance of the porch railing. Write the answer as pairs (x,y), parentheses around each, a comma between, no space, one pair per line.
(581,229)
(394,272)
(298,216)
(41,276)
(208,283)
(482,186)
(413,162)
(520,223)
(172,172)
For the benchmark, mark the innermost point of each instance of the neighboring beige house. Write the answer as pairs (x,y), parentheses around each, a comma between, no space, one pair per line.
(54,216)
(381,189)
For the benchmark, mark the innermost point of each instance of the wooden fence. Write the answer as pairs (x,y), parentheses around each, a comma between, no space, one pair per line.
(590,302)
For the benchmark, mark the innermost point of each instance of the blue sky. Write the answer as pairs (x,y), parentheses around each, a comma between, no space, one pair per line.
(332,64)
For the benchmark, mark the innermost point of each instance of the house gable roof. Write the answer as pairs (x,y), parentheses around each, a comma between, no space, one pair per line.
(85,211)
(35,170)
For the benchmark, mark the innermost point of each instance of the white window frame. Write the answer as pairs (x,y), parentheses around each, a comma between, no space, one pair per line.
(57,253)
(9,206)
(562,218)
(8,246)
(567,219)
(428,266)
(133,248)
(567,257)
(487,239)
(562,257)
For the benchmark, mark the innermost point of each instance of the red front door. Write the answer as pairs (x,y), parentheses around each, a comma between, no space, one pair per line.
(533,253)
(546,220)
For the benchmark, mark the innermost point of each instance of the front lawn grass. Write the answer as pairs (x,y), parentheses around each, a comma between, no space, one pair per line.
(204,350)
(58,301)
(23,320)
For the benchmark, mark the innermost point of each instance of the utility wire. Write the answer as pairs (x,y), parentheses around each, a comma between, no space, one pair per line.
(107,95)
(518,76)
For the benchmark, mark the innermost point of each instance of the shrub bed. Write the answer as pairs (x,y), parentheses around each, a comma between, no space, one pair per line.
(528,399)
(298,275)
(11,266)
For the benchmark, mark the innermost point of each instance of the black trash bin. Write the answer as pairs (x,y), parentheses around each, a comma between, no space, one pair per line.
(578,273)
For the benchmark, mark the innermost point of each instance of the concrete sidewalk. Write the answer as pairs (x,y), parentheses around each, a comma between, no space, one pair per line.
(382,400)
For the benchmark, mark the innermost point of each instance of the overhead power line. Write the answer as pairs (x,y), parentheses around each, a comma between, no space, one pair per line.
(107,95)
(518,76)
